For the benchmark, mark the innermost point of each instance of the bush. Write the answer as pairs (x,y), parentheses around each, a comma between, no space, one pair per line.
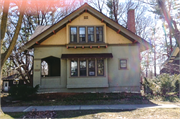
(167,83)
(23,92)
(162,84)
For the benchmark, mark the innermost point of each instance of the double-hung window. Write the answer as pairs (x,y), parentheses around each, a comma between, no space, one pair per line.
(73,36)
(123,64)
(91,67)
(99,34)
(82,34)
(83,68)
(100,67)
(90,34)
(74,68)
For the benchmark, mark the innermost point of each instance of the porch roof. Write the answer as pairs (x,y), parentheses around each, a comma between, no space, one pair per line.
(95,55)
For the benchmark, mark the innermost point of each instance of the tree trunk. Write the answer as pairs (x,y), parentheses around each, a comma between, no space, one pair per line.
(7,53)
(1,112)
(2,35)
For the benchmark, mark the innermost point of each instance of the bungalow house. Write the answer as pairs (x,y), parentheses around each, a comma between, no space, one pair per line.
(87,52)
(172,64)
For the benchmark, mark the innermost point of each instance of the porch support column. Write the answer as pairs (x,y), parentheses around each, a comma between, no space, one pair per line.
(37,72)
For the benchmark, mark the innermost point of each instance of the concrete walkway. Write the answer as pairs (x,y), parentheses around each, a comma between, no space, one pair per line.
(84,107)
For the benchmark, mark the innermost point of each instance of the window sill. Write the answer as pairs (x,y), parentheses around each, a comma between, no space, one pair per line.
(87,76)
(87,43)
(51,77)
(123,69)
(102,85)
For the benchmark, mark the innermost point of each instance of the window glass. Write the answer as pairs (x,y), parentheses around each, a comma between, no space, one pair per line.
(91,34)
(83,68)
(74,68)
(123,64)
(99,34)
(100,67)
(73,34)
(91,68)
(82,34)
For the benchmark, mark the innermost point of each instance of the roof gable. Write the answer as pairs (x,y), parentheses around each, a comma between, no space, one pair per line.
(86,8)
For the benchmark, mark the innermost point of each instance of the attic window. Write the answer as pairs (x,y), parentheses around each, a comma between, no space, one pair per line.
(85,17)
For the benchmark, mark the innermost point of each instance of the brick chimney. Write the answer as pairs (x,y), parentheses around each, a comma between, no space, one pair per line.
(131,21)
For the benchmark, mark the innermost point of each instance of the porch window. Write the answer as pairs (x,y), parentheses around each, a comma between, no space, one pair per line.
(99,34)
(83,68)
(82,34)
(73,34)
(87,66)
(100,67)
(91,67)
(74,68)
(90,34)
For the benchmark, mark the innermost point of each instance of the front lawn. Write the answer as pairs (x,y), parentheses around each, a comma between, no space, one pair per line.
(112,114)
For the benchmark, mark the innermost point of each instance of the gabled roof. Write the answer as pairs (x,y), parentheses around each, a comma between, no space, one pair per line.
(39,29)
(48,31)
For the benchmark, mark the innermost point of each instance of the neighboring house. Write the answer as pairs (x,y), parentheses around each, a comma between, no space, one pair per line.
(11,80)
(87,52)
(172,64)
(12,77)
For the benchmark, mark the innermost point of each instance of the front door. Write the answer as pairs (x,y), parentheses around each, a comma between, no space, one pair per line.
(6,85)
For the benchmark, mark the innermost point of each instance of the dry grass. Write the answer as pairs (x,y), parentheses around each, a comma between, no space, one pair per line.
(150,113)
(12,115)
(135,114)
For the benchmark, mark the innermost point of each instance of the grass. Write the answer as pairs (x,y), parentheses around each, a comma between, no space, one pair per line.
(109,114)
(12,115)
(101,99)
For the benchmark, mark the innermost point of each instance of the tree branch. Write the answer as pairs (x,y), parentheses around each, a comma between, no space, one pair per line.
(4,19)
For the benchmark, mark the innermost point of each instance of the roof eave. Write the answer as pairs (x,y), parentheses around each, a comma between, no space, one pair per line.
(144,44)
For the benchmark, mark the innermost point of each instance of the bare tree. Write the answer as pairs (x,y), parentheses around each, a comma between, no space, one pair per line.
(98,4)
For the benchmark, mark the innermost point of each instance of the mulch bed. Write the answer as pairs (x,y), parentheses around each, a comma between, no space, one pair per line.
(79,98)
(40,114)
